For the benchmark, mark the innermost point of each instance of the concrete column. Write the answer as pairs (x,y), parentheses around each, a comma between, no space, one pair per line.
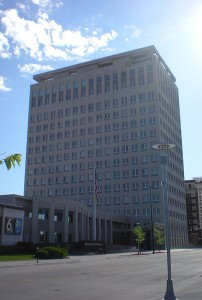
(82,225)
(66,224)
(35,233)
(105,231)
(87,227)
(110,231)
(76,220)
(99,228)
(51,238)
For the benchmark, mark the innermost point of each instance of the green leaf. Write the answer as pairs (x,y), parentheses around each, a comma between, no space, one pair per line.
(11,160)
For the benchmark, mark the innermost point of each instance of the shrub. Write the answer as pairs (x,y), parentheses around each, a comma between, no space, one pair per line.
(52,252)
(43,254)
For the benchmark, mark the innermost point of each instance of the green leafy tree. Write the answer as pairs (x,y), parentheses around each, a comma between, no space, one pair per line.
(139,236)
(159,236)
(11,160)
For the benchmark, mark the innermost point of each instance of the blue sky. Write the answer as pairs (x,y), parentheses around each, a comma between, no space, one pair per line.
(40,35)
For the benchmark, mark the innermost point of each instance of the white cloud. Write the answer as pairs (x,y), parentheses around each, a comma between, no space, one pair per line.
(4,46)
(136,32)
(33,68)
(3,87)
(44,39)
(22,6)
(47,4)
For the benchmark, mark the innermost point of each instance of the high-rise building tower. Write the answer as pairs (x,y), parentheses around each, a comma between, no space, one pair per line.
(107,114)
(193,190)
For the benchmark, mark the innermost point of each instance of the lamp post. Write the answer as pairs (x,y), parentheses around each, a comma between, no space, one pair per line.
(152,223)
(164,147)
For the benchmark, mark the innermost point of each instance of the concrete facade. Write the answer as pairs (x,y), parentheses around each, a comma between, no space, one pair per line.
(194,210)
(107,114)
(60,221)
(11,224)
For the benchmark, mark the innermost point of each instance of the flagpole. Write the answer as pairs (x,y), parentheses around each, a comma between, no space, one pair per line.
(94,206)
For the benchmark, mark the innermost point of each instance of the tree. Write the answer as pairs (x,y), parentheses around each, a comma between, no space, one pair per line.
(159,236)
(139,236)
(11,160)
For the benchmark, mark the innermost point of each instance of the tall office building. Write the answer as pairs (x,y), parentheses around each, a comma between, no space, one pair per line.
(106,114)
(194,209)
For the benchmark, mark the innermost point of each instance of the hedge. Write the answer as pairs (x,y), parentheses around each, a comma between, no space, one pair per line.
(52,253)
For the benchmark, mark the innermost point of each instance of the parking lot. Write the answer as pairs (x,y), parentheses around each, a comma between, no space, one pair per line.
(112,277)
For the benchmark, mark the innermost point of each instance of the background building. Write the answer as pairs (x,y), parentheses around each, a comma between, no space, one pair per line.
(11,224)
(194,210)
(107,114)
(58,221)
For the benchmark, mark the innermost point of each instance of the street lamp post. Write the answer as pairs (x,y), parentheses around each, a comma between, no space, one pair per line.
(152,223)
(164,147)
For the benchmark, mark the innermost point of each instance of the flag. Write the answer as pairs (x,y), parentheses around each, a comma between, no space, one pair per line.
(95,187)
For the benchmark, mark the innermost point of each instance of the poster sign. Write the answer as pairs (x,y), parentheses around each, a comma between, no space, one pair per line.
(13,226)
(18,226)
(9,225)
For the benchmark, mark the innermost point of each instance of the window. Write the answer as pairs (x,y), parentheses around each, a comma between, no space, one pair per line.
(142,97)
(132,77)
(145,172)
(145,185)
(132,99)
(83,88)
(91,86)
(146,212)
(116,174)
(116,200)
(150,74)
(124,101)
(125,173)
(141,75)
(135,160)
(124,136)
(117,187)
(115,102)
(58,216)
(43,214)
(99,84)
(134,147)
(107,188)
(143,110)
(126,200)
(156,211)
(107,201)
(135,172)
(133,123)
(107,83)
(123,79)
(135,186)
(146,198)
(136,212)
(125,161)
(151,96)
(115,81)
(136,199)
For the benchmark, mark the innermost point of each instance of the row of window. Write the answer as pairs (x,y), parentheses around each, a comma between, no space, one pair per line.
(92,107)
(90,165)
(107,188)
(75,89)
(90,130)
(107,176)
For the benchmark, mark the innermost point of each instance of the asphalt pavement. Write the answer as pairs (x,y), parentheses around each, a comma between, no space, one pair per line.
(124,276)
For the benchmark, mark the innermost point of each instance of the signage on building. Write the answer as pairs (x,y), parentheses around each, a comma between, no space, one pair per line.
(13,226)
(18,226)
(135,61)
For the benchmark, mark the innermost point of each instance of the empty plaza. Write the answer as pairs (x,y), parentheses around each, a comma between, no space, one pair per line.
(112,277)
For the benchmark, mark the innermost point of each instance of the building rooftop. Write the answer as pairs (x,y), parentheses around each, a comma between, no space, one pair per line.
(102,62)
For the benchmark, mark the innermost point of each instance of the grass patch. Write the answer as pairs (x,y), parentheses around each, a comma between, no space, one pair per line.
(19,257)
